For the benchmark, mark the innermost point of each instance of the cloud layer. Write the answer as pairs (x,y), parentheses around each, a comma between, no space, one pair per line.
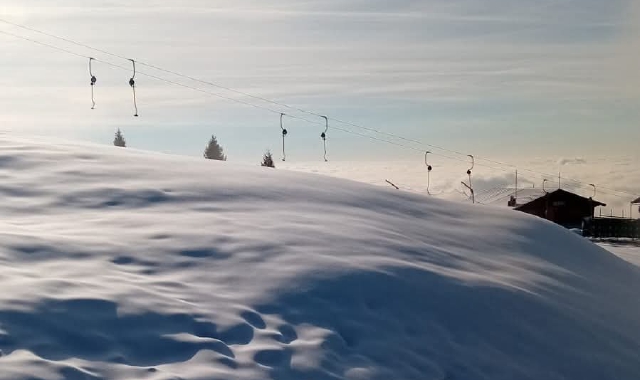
(497,78)
(609,174)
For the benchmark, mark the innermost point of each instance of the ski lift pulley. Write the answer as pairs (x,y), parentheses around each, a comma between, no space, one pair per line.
(429,168)
(93,83)
(132,83)
(324,136)
(284,134)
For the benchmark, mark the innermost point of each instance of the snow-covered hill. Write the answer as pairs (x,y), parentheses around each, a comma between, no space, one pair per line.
(625,250)
(116,264)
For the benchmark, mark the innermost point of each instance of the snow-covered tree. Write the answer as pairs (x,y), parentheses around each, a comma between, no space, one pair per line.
(119,140)
(267,160)
(214,151)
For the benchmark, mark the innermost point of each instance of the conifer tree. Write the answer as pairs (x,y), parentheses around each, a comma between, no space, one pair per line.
(214,151)
(119,139)
(267,160)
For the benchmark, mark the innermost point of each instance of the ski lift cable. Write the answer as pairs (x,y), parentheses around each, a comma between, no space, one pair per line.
(147,74)
(209,92)
(230,99)
(243,93)
(44,44)
(113,65)
(539,173)
(68,40)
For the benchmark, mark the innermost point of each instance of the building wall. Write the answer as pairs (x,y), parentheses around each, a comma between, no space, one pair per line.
(563,208)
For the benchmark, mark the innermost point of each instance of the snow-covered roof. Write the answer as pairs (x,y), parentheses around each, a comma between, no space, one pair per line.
(118,264)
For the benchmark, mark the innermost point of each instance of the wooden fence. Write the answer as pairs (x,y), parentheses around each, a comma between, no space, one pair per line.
(611,228)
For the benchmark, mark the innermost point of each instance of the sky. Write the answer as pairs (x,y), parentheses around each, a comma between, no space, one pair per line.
(551,85)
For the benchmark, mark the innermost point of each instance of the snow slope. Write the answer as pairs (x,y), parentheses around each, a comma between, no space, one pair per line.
(625,250)
(117,264)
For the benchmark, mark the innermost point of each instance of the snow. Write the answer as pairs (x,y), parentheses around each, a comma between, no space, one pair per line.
(121,264)
(627,250)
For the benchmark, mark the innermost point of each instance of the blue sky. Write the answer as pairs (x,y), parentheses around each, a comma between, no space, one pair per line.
(497,78)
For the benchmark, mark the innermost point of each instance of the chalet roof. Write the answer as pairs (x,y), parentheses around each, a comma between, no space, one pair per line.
(565,193)
(637,201)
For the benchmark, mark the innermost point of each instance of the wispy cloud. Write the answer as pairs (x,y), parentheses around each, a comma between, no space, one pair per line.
(486,76)
(573,161)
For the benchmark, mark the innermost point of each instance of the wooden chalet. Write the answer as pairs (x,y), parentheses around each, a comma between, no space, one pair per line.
(562,207)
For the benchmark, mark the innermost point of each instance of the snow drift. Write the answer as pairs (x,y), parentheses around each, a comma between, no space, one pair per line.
(117,264)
